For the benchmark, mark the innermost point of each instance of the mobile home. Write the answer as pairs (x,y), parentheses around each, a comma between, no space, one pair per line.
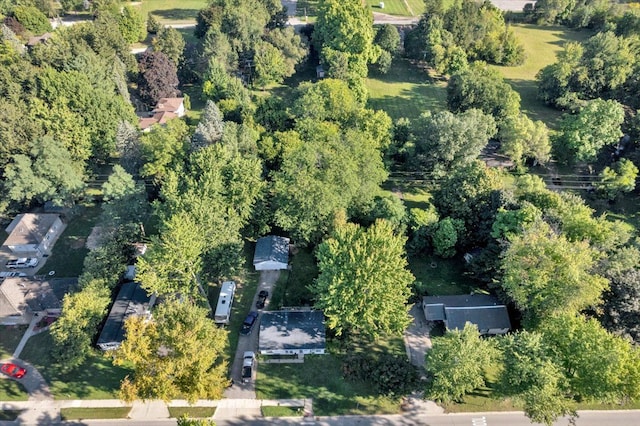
(225,301)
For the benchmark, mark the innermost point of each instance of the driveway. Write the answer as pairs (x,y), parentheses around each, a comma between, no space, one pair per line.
(416,338)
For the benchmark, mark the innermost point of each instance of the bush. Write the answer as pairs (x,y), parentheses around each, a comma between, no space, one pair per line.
(32,19)
(391,375)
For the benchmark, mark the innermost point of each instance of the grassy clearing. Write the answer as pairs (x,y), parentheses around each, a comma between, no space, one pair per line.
(541,45)
(320,377)
(68,253)
(405,91)
(441,276)
(416,6)
(12,390)
(94,413)
(308,8)
(192,412)
(393,7)
(292,288)
(96,378)
(10,336)
(279,411)
(173,11)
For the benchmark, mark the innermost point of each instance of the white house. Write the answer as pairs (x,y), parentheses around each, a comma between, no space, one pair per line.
(295,332)
(31,233)
(166,109)
(272,253)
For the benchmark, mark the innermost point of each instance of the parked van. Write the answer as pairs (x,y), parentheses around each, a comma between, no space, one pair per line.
(225,301)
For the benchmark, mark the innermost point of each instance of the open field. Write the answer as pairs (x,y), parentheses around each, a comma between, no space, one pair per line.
(96,378)
(94,413)
(541,45)
(393,7)
(405,91)
(67,258)
(173,11)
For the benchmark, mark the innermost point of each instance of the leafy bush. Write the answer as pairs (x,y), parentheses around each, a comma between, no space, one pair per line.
(391,375)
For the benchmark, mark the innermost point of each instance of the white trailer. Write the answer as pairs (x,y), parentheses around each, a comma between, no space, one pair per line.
(225,301)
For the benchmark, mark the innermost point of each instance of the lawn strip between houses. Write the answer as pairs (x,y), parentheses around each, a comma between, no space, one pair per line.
(280,411)
(10,336)
(94,413)
(11,390)
(173,11)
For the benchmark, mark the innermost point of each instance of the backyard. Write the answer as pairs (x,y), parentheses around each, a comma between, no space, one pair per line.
(173,11)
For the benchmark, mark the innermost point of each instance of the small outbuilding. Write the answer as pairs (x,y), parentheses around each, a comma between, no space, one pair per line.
(292,332)
(131,300)
(31,233)
(272,253)
(483,310)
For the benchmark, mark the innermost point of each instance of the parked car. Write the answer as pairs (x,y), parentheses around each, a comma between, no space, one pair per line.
(248,323)
(262,298)
(9,274)
(248,365)
(23,262)
(13,370)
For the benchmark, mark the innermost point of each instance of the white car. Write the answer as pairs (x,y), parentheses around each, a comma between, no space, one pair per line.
(10,274)
(23,262)
(248,365)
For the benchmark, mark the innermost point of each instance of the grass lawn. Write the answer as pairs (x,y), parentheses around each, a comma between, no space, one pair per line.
(541,45)
(12,390)
(192,412)
(94,413)
(10,336)
(441,276)
(68,253)
(292,286)
(320,378)
(279,411)
(405,91)
(173,11)
(96,378)
(391,7)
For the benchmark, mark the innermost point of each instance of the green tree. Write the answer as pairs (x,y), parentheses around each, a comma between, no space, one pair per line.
(522,138)
(132,24)
(270,64)
(32,19)
(531,374)
(48,173)
(177,354)
(445,236)
(445,141)
(163,148)
(119,184)
(358,265)
(388,38)
(545,274)
(584,134)
(456,362)
(170,42)
(483,88)
(290,44)
(618,179)
(158,77)
(210,128)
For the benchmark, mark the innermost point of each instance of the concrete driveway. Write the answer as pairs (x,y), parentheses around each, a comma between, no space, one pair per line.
(417,340)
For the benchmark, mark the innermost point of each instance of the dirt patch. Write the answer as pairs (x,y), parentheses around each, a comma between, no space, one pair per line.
(78,243)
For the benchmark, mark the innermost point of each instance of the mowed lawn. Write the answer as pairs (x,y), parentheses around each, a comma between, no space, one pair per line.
(541,45)
(405,91)
(173,11)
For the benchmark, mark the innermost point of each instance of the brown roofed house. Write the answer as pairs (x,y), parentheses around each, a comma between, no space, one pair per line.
(165,110)
(32,233)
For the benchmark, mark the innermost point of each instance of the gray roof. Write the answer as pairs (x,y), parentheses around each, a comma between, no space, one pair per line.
(272,248)
(292,330)
(484,310)
(19,294)
(29,228)
(131,300)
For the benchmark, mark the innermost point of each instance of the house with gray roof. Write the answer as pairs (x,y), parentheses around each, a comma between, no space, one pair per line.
(131,300)
(483,310)
(272,253)
(292,332)
(21,298)
(33,234)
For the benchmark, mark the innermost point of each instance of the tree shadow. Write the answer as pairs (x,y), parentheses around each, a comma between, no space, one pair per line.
(177,14)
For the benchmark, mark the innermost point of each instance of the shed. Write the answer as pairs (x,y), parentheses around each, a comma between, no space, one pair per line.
(485,311)
(33,233)
(272,253)
(294,332)
(131,300)
(319,71)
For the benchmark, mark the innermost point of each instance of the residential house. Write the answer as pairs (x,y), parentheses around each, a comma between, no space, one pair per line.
(165,110)
(292,332)
(31,233)
(271,254)
(34,41)
(485,311)
(22,298)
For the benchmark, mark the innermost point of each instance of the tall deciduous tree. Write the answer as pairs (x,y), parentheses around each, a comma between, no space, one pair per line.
(618,179)
(522,138)
(132,25)
(584,134)
(545,274)
(163,148)
(170,42)
(364,283)
(158,77)
(176,354)
(456,361)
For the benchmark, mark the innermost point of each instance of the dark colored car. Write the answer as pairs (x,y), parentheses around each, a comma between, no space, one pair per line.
(248,365)
(13,370)
(248,323)
(262,298)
